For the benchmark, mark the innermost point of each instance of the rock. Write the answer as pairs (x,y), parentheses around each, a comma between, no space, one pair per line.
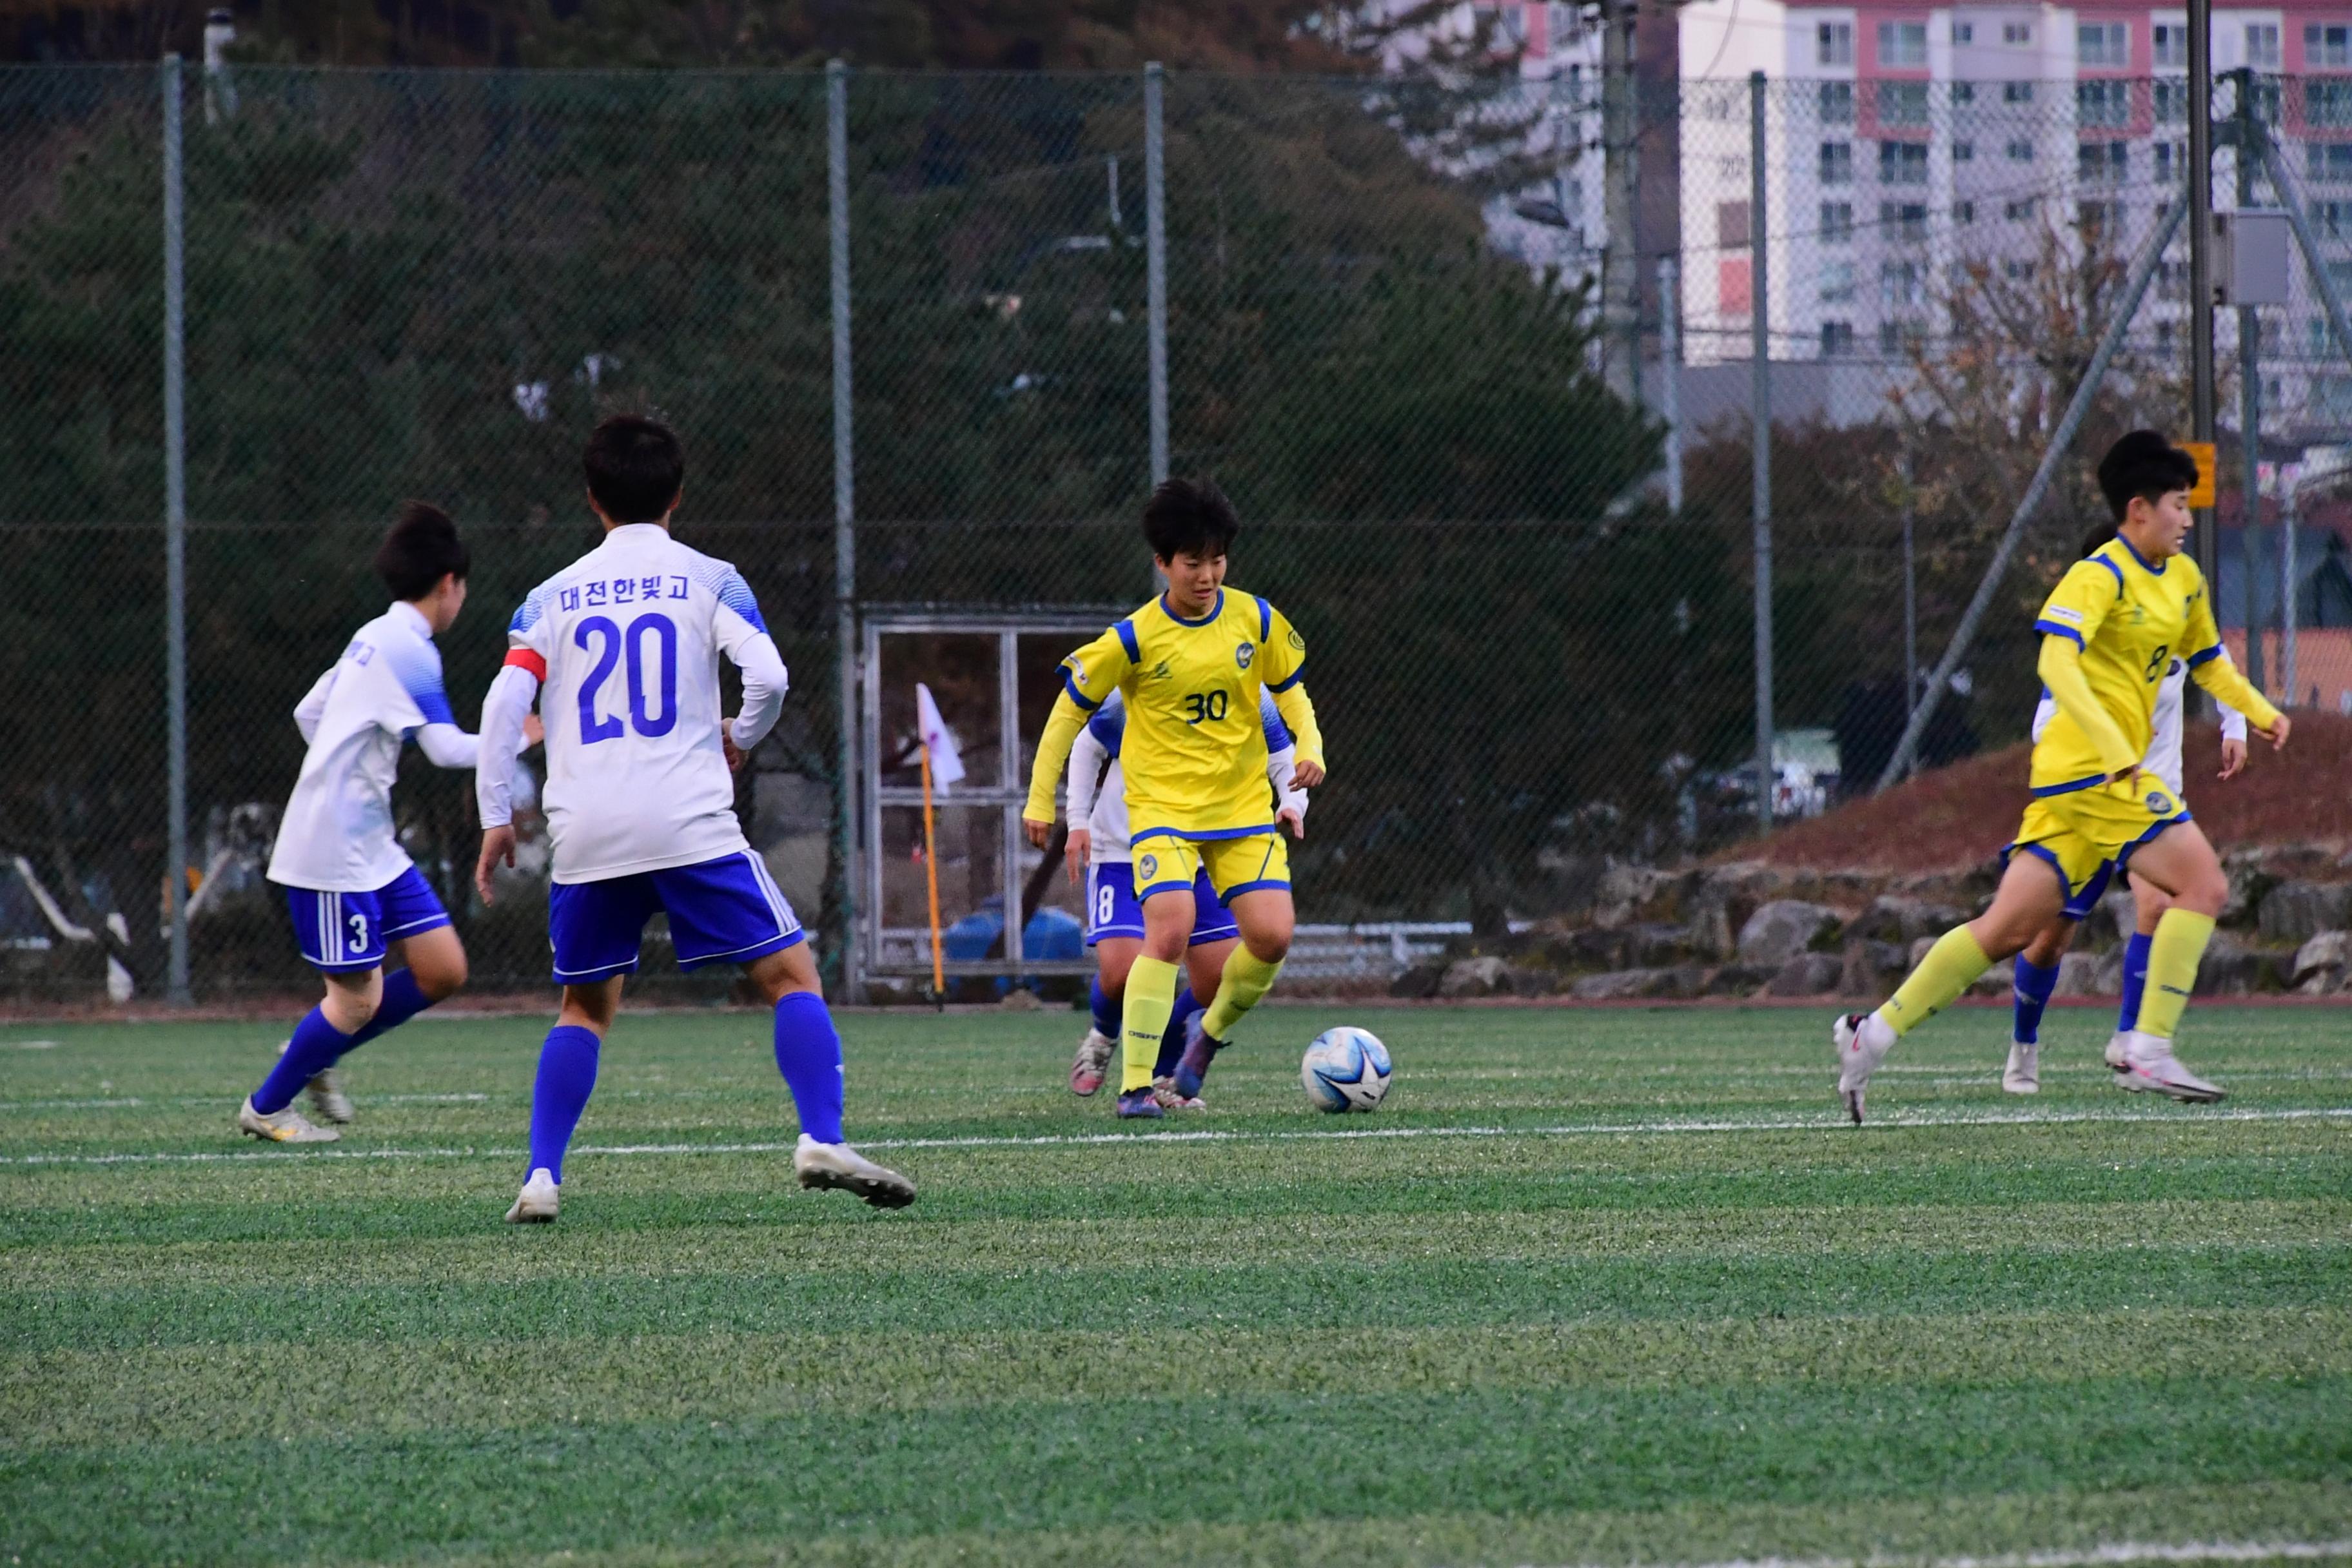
(1782,930)
(1623,984)
(1526,981)
(2325,958)
(1919,947)
(2078,975)
(1624,891)
(1807,974)
(1899,917)
(2250,884)
(1020,999)
(2108,980)
(1709,931)
(2230,967)
(1421,980)
(1871,968)
(1601,948)
(1998,981)
(1474,977)
(1654,945)
(2297,911)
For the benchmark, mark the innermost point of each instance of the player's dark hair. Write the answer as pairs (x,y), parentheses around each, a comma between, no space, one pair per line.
(421,548)
(2145,466)
(636,467)
(1190,516)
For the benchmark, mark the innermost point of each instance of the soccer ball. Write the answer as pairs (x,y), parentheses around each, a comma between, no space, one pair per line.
(1346,1068)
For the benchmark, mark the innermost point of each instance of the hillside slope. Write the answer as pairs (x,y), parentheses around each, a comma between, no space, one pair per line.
(1957,816)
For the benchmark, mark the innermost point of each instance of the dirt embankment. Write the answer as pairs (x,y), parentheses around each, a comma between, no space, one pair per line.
(1959,816)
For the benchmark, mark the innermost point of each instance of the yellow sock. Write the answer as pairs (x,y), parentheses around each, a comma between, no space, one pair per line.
(1143,1018)
(1950,966)
(1245,980)
(2172,957)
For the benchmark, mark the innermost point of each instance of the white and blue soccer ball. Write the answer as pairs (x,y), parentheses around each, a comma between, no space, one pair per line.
(1346,1068)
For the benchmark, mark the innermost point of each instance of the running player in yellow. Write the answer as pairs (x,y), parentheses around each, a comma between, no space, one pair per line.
(2109,634)
(1191,665)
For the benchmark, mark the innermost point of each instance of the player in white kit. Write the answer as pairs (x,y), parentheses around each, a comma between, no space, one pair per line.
(354,893)
(1099,852)
(2036,974)
(621,650)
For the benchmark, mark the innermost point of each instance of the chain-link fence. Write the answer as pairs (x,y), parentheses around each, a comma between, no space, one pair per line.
(1386,328)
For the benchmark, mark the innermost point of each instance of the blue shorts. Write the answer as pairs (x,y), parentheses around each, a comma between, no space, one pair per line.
(340,931)
(2079,904)
(1112,909)
(722,910)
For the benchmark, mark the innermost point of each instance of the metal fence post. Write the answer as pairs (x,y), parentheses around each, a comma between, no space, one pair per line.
(1759,414)
(1910,591)
(1670,355)
(2205,542)
(2250,400)
(176,534)
(2287,608)
(1155,231)
(845,527)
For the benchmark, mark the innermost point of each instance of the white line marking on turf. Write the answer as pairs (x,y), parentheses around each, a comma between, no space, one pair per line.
(34,1044)
(2117,1553)
(1212,1135)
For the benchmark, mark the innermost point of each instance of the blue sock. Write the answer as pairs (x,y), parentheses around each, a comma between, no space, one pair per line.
(1106,1009)
(2035,985)
(808,1053)
(2134,980)
(316,1045)
(567,1076)
(1171,1043)
(403,1000)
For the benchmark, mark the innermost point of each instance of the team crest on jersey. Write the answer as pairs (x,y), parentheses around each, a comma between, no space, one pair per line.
(1160,671)
(1297,641)
(2158,803)
(1151,864)
(1243,654)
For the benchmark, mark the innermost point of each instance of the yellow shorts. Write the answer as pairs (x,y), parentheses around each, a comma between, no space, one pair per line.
(2083,832)
(1234,865)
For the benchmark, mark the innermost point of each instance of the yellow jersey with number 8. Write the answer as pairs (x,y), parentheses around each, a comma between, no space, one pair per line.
(1195,754)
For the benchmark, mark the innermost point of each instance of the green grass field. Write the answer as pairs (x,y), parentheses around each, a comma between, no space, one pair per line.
(1593,1286)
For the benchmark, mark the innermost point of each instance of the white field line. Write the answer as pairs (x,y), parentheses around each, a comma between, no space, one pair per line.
(1826,1123)
(2117,1554)
(119,1101)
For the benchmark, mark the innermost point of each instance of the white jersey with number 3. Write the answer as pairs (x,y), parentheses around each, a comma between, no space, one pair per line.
(626,644)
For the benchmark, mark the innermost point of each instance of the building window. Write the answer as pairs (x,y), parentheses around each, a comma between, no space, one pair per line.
(2316,332)
(2017,32)
(1902,44)
(1964,213)
(1833,44)
(1964,92)
(1837,163)
(2020,210)
(2017,271)
(1901,283)
(1964,32)
(1898,338)
(2168,337)
(2017,93)
(2021,152)
(2332,219)
(2103,102)
(2330,161)
(1837,103)
(2171,162)
(2171,100)
(2340,277)
(2263,46)
(1903,103)
(1837,223)
(2171,42)
(2098,220)
(2101,162)
(2326,46)
(2101,43)
(1902,163)
(1964,152)
(2172,280)
(1837,339)
(2328,101)
(1902,221)
(1837,282)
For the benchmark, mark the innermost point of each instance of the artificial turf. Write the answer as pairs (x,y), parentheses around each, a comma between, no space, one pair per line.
(1591,1287)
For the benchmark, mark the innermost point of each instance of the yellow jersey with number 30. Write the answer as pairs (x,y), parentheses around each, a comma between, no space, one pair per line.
(1195,754)
(2130,618)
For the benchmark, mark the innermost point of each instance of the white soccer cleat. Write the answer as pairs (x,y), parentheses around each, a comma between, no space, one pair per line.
(2118,1044)
(328,1099)
(287,1126)
(2151,1068)
(1863,1040)
(1093,1060)
(2023,1073)
(820,1166)
(538,1200)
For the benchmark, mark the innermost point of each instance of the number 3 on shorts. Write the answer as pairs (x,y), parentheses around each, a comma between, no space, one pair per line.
(357,922)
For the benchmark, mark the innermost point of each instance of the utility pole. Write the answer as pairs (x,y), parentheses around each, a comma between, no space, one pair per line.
(2200,263)
(2249,398)
(1621,269)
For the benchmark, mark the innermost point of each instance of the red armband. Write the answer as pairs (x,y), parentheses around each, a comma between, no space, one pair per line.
(523,659)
